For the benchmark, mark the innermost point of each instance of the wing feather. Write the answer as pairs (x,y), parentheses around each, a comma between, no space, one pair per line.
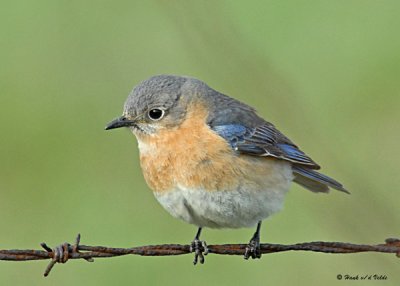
(263,140)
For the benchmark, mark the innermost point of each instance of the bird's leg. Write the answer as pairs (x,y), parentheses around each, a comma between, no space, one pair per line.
(199,248)
(253,249)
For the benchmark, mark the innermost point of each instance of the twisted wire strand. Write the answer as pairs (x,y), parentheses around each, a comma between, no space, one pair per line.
(62,253)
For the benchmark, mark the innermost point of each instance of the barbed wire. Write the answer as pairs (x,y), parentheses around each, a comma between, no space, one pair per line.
(66,251)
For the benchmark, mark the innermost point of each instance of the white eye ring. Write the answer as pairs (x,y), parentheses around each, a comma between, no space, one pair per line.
(156,114)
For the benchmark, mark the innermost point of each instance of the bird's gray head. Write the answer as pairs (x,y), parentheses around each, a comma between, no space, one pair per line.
(163,101)
(157,103)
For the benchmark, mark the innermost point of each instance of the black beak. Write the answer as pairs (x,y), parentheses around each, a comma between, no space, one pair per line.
(119,122)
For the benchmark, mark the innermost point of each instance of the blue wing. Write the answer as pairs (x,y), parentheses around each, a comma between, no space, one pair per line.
(295,154)
(264,140)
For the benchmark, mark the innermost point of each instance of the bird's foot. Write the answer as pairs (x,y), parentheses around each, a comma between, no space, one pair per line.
(200,249)
(253,249)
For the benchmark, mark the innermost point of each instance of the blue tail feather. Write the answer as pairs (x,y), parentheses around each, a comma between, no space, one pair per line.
(314,181)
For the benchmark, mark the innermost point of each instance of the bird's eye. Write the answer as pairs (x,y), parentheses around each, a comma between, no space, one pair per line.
(156,114)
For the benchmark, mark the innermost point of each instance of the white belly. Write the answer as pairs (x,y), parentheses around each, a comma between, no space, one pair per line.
(243,207)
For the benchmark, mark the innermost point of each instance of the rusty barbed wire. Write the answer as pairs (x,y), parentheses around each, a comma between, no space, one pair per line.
(66,251)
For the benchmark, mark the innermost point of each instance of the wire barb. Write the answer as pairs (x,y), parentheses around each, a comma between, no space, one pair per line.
(66,251)
(61,253)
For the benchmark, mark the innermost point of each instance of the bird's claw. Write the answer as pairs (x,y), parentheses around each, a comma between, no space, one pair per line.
(253,249)
(200,249)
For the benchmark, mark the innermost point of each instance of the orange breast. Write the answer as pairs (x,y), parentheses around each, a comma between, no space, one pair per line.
(193,156)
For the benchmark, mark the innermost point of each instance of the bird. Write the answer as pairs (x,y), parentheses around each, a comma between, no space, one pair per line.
(211,160)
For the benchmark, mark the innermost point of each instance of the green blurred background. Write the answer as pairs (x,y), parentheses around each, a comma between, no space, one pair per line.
(327,73)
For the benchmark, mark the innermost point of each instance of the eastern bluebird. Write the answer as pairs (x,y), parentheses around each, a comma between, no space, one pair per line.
(211,160)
